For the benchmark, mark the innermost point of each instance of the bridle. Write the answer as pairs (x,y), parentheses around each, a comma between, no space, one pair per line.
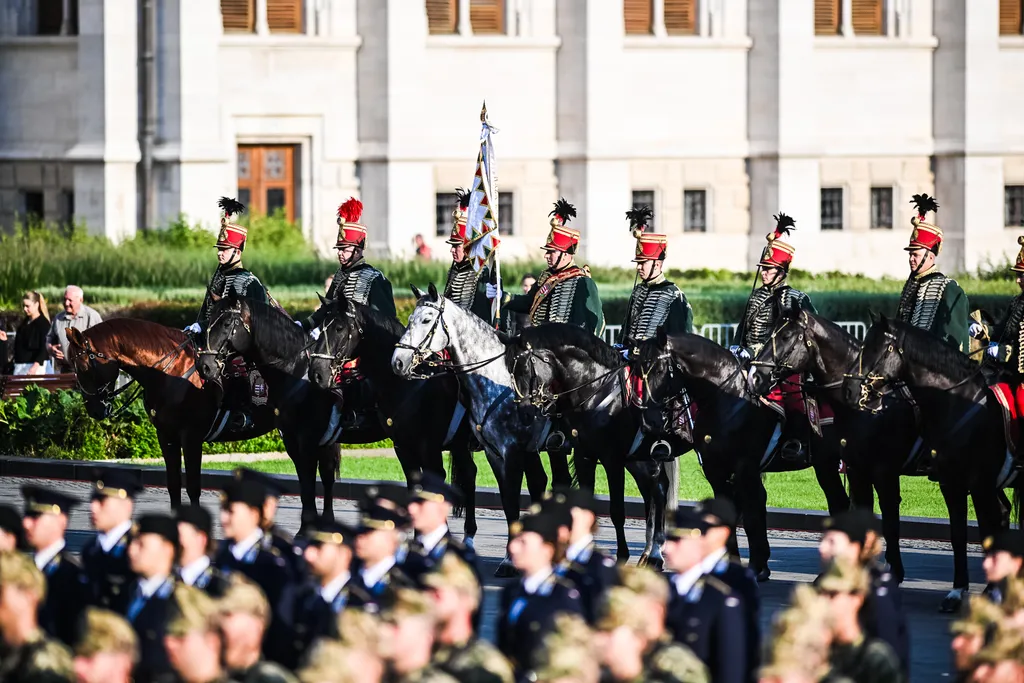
(222,353)
(540,396)
(870,380)
(336,362)
(779,370)
(421,353)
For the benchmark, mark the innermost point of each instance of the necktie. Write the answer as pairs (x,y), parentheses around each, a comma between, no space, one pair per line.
(138,602)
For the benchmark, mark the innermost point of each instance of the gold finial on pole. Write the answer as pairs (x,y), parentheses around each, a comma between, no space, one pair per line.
(483,113)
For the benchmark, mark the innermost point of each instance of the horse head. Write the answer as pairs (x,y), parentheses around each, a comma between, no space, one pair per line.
(426,335)
(791,350)
(341,332)
(97,373)
(656,380)
(535,375)
(879,363)
(228,334)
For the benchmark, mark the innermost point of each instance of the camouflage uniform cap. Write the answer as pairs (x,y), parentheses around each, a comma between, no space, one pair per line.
(327,663)
(191,610)
(645,582)
(844,576)
(567,652)
(982,617)
(242,596)
(622,607)
(106,631)
(408,603)
(19,571)
(799,640)
(1007,643)
(359,630)
(676,662)
(452,572)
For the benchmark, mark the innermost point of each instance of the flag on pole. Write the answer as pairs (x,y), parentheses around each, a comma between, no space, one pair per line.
(482,213)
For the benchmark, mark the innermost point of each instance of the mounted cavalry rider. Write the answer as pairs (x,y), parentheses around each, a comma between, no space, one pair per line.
(655,302)
(242,386)
(930,300)
(355,279)
(465,286)
(564,293)
(359,282)
(1006,338)
(765,306)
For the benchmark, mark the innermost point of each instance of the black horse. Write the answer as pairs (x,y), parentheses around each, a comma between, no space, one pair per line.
(734,433)
(308,418)
(877,446)
(353,332)
(564,370)
(962,424)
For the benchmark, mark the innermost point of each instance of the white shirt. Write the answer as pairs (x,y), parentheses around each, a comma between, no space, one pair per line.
(43,557)
(430,541)
(576,549)
(242,547)
(532,583)
(192,571)
(331,590)
(150,586)
(711,561)
(685,581)
(109,539)
(371,575)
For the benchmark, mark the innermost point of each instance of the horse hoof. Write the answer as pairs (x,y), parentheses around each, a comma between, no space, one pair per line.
(642,562)
(953,600)
(763,574)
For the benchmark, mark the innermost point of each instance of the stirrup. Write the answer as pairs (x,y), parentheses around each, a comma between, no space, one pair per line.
(239,421)
(793,450)
(555,441)
(661,451)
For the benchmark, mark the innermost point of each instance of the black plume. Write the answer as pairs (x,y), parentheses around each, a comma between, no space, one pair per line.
(639,216)
(564,210)
(463,198)
(924,204)
(232,207)
(784,224)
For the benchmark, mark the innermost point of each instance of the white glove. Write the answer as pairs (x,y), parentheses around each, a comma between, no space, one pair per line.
(314,333)
(492,291)
(739,352)
(622,350)
(993,350)
(194,328)
(298,322)
(975,329)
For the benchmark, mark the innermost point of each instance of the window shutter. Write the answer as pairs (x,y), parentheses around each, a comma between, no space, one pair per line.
(487,16)
(442,16)
(826,17)
(638,16)
(284,16)
(238,15)
(1010,17)
(867,17)
(681,17)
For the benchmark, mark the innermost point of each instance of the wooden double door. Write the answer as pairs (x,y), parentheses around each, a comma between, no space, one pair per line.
(266,179)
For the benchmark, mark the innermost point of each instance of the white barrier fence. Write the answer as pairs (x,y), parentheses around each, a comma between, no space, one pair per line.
(723,333)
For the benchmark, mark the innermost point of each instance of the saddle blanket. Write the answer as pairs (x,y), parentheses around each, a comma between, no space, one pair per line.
(787,398)
(1011,401)
(682,410)
(239,369)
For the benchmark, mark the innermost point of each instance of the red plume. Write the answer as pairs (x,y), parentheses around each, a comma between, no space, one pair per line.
(351,211)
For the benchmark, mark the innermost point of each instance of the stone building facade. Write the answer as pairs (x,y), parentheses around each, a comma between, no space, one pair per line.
(719,113)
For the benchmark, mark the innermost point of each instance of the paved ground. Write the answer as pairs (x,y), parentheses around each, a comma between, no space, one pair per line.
(794,559)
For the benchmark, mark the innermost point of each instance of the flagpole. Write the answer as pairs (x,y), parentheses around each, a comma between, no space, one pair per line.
(496,302)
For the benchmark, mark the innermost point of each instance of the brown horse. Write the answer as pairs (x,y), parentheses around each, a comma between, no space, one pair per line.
(185,414)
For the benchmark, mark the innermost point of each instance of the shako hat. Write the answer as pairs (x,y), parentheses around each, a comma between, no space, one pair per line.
(650,246)
(43,501)
(779,253)
(1018,265)
(926,235)
(232,235)
(562,238)
(351,233)
(460,230)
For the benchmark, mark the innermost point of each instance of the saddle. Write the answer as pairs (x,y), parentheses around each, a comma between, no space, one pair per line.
(788,398)
(1010,398)
(244,385)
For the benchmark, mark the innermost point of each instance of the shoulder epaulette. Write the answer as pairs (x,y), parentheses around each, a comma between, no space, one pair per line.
(717,584)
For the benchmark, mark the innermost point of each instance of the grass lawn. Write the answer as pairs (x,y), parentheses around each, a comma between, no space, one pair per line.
(921,498)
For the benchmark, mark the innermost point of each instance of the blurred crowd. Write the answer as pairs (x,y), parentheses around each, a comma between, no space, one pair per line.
(39,345)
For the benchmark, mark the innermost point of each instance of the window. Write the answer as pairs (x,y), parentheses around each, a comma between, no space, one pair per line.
(238,15)
(67,207)
(681,17)
(1010,15)
(284,16)
(1013,206)
(644,198)
(30,205)
(442,17)
(444,205)
(695,211)
(506,214)
(487,16)
(266,179)
(881,208)
(867,17)
(826,17)
(50,18)
(832,208)
(638,15)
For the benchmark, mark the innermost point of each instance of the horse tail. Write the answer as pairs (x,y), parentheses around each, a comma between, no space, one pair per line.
(463,476)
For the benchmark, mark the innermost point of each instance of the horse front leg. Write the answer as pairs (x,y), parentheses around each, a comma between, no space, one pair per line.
(955,496)
(193,454)
(560,473)
(752,502)
(650,479)
(536,477)
(463,478)
(887,484)
(616,474)
(329,464)
(170,448)
(305,457)
(510,487)
(826,471)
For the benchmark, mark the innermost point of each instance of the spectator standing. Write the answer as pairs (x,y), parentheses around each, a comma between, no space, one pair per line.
(30,354)
(423,252)
(76,314)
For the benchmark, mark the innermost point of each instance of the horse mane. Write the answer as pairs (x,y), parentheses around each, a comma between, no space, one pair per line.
(556,335)
(132,334)
(274,328)
(387,323)
(921,346)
